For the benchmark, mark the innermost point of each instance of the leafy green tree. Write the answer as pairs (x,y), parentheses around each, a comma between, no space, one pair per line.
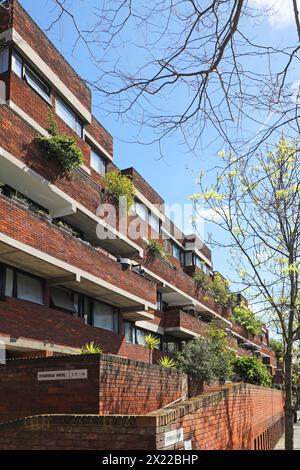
(252,371)
(277,347)
(256,202)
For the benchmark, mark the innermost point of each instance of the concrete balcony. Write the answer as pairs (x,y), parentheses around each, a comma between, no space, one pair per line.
(180,290)
(254,341)
(23,167)
(41,248)
(183,325)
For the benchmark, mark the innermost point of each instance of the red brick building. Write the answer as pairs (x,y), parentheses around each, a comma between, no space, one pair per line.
(60,285)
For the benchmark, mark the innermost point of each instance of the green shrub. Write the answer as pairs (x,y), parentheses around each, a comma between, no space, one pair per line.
(61,148)
(243,316)
(252,371)
(217,288)
(207,357)
(118,185)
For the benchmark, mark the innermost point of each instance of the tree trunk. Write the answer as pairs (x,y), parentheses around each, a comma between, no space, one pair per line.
(288,408)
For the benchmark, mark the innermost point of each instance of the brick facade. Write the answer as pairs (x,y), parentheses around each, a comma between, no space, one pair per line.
(25,112)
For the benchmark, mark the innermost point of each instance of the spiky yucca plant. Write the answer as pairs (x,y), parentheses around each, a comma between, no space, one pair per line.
(167,362)
(91,348)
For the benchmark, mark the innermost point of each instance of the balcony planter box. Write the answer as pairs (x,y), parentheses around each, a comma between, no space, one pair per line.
(21,201)
(43,215)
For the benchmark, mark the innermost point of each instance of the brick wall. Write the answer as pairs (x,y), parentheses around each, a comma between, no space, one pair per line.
(237,418)
(232,418)
(129,387)
(114,385)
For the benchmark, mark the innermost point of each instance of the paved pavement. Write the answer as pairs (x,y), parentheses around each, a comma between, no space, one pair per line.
(280,445)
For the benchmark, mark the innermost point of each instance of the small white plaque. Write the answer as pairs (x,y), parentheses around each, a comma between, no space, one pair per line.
(172,437)
(188,445)
(62,375)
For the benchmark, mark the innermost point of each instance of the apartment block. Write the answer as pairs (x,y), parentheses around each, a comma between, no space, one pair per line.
(61,285)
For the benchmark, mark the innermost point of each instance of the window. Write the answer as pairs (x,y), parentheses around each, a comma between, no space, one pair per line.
(141,210)
(129,331)
(37,83)
(98,162)
(177,252)
(159,302)
(199,263)
(154,222)
(70,118)
(4,56)
(25,72)
(140,337)
(17,64)
(30,288)
(22,286)
(63,299)
(9,282)
(105,316)
(188,258)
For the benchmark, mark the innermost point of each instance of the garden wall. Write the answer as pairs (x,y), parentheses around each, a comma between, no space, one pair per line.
(109,385)
(238,417)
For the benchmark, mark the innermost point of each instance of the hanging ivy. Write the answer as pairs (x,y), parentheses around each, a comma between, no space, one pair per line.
(120,186)
(61,148)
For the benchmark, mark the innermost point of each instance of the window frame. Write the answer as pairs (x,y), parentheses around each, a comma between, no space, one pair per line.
(16,271)
(101,157)
(36,77)
(180,250)
(116,316)
(68,108)
(61,309)
(152,216)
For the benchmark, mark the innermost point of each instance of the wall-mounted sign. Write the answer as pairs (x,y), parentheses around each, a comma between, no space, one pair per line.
(62,375)
(172,437)
(188,445)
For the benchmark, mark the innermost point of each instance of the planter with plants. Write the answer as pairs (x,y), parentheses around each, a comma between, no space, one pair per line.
(43,215)
(21,199)
(60,148)
(155,249)
(68,228)
(242,315)
(120,186)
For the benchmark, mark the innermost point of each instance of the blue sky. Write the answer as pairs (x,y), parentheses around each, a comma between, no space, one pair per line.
(172,176)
